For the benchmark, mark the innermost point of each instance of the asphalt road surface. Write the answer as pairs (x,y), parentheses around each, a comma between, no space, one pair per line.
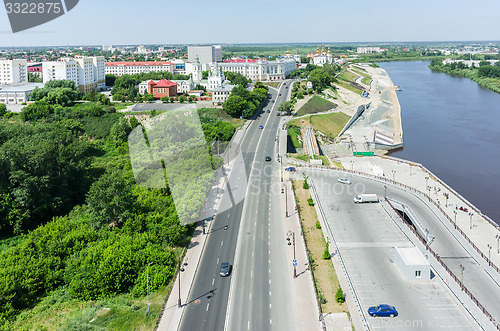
(253,220)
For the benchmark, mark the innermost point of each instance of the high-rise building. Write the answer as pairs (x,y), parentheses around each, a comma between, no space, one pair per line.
(13,71)
(206,54)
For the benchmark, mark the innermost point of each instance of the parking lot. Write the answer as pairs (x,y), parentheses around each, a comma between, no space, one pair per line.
(366,236)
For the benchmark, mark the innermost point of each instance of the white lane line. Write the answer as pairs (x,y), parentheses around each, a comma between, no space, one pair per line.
(217,260)
(269,306)
(253,254)
(269,282)
(250,295)
(271,321)
(251,273)
(227,215)
(248,325)
(208,305)
(269,293)
(213,281)
(221,242)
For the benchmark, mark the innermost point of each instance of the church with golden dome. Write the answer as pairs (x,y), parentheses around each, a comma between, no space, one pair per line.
(322,56)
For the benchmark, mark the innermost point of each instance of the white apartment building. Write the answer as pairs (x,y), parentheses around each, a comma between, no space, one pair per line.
(88,73)
(13,71)
(221,94)
(132,68)
(261,70)
(365,50)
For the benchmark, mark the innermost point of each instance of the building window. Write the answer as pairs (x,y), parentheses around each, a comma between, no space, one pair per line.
(418,274)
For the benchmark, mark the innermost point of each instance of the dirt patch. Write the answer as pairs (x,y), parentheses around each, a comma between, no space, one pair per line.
(325,277)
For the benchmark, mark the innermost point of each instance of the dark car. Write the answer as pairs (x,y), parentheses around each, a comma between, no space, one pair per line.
(224,269)
(292,169)
(383,310)
(268,158)
(261,127)
(268,111)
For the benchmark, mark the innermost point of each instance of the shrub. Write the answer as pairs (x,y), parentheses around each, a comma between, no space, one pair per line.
(310,202)
(305,186)
(326,254)
(339,296)
(321,298)
(318,225)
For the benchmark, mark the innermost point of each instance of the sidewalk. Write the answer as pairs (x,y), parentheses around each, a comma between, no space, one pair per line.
(306,302)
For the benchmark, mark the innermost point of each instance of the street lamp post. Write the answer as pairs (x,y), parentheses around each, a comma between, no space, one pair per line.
(470,223)
(147,283)
(385,191)
(393,175)
(281,161)
(352,165)
(489,254)
(462,268)
(426,182)
(455,218)
(291,236)
(179,300)
(498,243)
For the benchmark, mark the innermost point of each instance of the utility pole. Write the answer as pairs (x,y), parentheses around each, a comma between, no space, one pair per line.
(294,257)
(179,301)
(147,281)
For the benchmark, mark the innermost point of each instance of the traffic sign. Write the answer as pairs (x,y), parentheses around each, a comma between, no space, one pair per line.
(294,262)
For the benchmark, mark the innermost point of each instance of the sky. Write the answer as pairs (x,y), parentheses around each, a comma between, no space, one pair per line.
(124,22)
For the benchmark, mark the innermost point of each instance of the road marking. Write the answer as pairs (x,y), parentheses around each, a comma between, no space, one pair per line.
(269,293)
(271,321)
(251,273)
(221,242)
(228,215)
(269,261)
(217,260)
(208,305)
(248,325)
(213,281)
(250,295)
(269,306)
(253,253)
(269,282)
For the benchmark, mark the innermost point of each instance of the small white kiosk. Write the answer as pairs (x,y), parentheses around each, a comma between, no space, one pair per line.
(412,263)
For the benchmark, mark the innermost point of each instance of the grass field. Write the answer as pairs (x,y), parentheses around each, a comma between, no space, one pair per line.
(122,105)
(324,273)
(329,124)
(272,84)
(315,105)
(366,81)
(347,76)
(361,73)
(348,86)
(294,133)
(302,157)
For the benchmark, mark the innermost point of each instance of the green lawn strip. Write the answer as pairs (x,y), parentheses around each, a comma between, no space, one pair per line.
(315,105)
(348,86)
(293,132)
(366,81)
(329,124)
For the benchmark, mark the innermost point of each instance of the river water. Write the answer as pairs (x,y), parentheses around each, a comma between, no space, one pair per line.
(451,125)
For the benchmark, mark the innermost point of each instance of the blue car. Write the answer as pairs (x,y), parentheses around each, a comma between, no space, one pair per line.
(292,169)
(383,310)
(261,127)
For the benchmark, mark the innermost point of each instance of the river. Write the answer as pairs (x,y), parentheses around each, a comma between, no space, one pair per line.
(451,125)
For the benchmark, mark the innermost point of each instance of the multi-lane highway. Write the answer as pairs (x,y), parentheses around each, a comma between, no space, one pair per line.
(252,243)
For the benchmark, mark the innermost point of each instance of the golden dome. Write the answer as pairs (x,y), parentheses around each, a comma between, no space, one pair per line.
(329,51)
(287,52)
(317,50)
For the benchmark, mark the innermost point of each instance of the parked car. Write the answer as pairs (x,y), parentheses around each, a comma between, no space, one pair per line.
(292,169)
(383,310)
(278,113)
(268,111)
(261,127)
(344,181)
(224,269)
(268,158)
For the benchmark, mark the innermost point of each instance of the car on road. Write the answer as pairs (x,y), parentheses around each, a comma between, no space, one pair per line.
(278,113)
(261,127)
(292,169)
(383,310)
(268,158)
(344,181)
(268,111)
(224,269)
(279,94)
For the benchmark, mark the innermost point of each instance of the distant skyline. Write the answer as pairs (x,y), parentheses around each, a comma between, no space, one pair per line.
(113,22)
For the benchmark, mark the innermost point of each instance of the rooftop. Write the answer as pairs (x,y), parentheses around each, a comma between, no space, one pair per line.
(137,64)
(20,87)
(412,256)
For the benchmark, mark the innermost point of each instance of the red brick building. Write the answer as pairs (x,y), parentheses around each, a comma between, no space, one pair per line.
(164,88)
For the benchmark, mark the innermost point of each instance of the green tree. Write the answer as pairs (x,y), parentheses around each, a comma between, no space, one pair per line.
(108,200)
(234,105)
(287,107)
(36,111)
(3,109)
